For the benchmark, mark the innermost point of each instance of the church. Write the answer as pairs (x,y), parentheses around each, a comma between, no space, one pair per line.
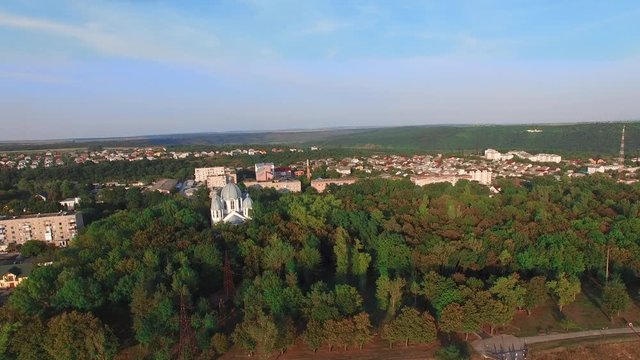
(230,206)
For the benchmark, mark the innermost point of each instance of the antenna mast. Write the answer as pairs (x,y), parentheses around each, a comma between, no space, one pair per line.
(622,146)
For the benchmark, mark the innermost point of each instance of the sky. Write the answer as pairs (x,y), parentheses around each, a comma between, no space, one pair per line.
(103,68)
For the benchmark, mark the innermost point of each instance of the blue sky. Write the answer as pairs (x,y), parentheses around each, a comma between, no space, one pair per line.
(91,68)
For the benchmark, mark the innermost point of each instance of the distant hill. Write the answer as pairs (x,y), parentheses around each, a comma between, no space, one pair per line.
(592,138)
(226,138)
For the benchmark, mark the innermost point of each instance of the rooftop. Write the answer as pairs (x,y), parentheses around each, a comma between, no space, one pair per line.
(34,216)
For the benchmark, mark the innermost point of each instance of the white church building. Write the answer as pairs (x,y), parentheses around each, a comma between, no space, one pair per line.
(230,206)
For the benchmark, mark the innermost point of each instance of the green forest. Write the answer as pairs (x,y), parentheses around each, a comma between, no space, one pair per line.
(565,139)
(410,264)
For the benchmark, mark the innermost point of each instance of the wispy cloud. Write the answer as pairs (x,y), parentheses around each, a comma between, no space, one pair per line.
(325,26)
(96,40)
(173,42)
(34,77)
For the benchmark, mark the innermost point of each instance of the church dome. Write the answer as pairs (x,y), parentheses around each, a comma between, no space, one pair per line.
(231,191)
(216,203)
(247,203)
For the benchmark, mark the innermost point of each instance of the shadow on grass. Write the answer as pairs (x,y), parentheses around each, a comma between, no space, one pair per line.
(592,290)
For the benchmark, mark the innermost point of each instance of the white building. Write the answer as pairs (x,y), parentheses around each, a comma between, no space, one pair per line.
(343,170)
(538,157)
(201,174)
(491,154)
(595,169)
(230,206)
(422,180)
(70,203)
(546,158)
(481,176)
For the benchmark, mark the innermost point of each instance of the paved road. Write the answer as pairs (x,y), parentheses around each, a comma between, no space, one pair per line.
(505,342)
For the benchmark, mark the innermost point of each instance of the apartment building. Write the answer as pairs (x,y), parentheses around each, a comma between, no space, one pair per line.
(280,185)
(264,171)
(56,228)
(321,184)
(422,180)
(201,174)
(483,176)
(219,181)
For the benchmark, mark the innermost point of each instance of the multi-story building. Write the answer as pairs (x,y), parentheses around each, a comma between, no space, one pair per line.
(321,184)
(218,181)
(491,154)
(283,172)
(264,171)
(422,180)
(201,174)
(55,228)
(546,158)
(280,185)
(482,176)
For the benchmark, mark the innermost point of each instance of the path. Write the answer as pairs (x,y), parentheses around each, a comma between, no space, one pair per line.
(486,346)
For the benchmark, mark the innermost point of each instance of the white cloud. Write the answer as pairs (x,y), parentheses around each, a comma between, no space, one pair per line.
(34,77)
(126,36)
(325,26)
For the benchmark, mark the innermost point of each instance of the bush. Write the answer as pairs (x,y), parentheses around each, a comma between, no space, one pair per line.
(451,352)
(220,343)
(33,248)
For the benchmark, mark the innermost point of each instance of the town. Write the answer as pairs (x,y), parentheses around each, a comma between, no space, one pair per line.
(289,180)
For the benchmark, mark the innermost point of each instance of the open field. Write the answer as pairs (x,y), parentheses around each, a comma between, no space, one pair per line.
(378,349)
(619,348)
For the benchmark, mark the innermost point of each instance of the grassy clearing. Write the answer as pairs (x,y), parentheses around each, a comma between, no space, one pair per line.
(583,314)
(581,342)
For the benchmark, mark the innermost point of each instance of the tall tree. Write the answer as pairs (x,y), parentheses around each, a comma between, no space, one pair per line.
(472,319)
(615,298)
(341,251)
(320,303)
(564,290)
(76,335)
(362,329)
(286,334)
(452,319)
(509,291)
(360,263)
(440,291)
(536,293)
(348,300)
(339,332)
(389,293)
(410,326)
(314,335)
(259,334)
